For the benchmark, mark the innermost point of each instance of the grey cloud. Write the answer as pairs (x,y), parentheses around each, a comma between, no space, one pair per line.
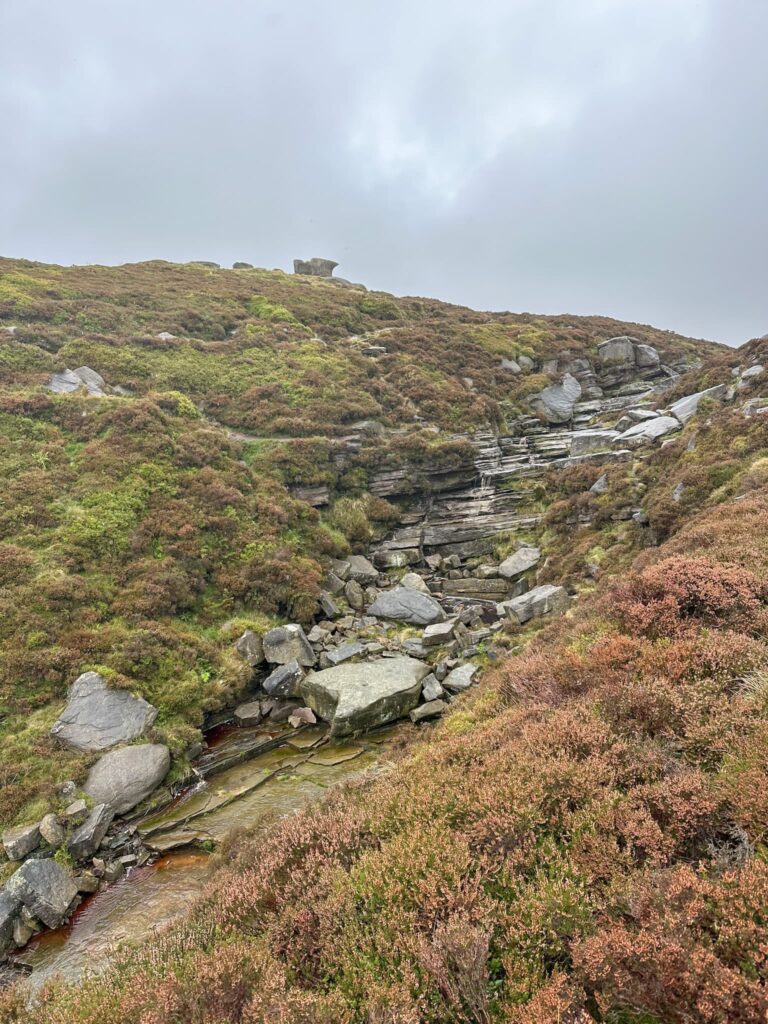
(548,155)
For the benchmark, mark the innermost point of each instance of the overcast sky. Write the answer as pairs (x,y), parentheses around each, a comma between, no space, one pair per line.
(585,156)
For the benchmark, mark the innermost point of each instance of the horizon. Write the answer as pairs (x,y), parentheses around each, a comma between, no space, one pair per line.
(538,155)
(404,295)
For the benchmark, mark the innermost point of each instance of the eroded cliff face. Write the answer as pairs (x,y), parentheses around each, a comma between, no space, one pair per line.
(598,411)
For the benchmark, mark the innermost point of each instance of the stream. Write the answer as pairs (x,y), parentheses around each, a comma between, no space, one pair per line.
(246,792)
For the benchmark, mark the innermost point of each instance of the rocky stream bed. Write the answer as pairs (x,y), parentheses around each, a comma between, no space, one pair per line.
(398,635)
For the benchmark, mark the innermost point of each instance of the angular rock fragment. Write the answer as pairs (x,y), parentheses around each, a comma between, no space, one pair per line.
(46,889)
(284,681)
(288,643)
(87,839)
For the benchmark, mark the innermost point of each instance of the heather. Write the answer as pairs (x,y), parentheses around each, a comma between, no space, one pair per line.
(582,839)
(140,531)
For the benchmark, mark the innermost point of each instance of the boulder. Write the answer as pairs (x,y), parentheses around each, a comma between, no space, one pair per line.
(431,689)
(52,831)
(432,709)
(647,357)
(76,812)
(354,595)
(316,267)
(250,713)
(404,605)
(288,643)
(545,600)
(438,633)
(512,365)
(344,652)
(489,590)
(97,717)
(413,581)
(361,570)
(45,888)
(328,606)
(72,380)
(333,583)
(356,697)
(19,842)
(250,647)
(555,403)
(341,568)
(600,486)
(647,431)
(749,375)
(460,678)
(126,776)
(397,559)
(519,561)
(586,442)
(87,839)
(9,909)
(284,681)
(617,352)
(684,408)
(525,363)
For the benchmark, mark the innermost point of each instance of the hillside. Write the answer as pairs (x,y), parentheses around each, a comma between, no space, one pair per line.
(581,837)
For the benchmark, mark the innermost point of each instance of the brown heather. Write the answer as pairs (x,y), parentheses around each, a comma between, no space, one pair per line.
(581,840)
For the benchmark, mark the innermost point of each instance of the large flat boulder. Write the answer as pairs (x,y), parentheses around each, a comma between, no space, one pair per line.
(555,403)
(361,696)
(97,717)
(125,777)
(46,889)
(405,605)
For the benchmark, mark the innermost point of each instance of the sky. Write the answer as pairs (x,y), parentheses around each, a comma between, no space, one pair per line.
(548,156)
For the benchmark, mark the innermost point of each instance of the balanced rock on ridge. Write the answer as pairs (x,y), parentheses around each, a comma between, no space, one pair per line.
(97,717)
(355,697)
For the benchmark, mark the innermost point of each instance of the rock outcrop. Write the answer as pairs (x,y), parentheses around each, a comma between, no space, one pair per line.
(316,267)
